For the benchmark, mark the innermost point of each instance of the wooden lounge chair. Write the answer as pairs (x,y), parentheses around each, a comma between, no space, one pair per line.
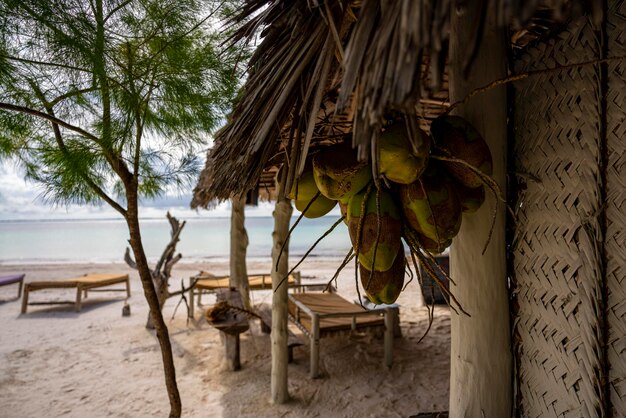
(90,282)
(319,315)
(208,283)
(13,278)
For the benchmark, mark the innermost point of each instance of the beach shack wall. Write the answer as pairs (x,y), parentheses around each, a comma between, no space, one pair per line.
(569,242)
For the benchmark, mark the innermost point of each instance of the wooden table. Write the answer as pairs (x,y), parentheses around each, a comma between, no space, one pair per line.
(228,316)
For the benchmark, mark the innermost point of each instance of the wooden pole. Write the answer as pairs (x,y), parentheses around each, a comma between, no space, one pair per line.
(481,360)
(279,336)
(238,248)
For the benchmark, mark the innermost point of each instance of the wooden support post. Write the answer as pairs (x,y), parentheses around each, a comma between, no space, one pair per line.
(315,346)
(390,314)
(192,292)
(238,248)
(279,336)
(231,346)
(79,293)
(25,299)
(481,360)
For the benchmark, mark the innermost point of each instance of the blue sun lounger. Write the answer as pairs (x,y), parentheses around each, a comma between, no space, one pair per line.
(13,278)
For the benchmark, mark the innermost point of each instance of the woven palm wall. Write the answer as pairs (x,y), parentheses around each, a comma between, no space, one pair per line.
(616,207)
(569,252)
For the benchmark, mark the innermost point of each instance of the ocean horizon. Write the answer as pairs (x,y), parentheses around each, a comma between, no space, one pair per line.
(75,241)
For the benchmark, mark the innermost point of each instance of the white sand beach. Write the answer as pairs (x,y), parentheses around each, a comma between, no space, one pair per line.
(95,363)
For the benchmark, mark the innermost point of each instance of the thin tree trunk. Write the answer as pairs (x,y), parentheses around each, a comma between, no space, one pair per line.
(150,292)
(238,247)
(282,216)
(162,292)
(481,359)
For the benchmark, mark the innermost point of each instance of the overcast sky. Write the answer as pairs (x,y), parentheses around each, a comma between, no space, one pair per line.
(19,200)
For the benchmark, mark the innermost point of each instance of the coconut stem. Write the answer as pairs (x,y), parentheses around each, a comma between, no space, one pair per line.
(423,260)
(343,264)
(309,250)
(430,308)
(282,248)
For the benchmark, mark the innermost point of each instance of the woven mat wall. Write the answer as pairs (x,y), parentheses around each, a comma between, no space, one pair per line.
(558,274)
(616,207)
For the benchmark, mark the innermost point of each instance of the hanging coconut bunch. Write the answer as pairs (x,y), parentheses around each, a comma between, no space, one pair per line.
(423,184)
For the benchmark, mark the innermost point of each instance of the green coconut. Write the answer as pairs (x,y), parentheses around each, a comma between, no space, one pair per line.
(400,160)
(320,206)
(457,138)
(385,286)
(431,205)
(304,190)
(390,229)
(304,187)
(338,174)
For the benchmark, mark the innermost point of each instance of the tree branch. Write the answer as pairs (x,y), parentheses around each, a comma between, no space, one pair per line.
(69,94)
(45,63)
(40,114)
(129,259)
(117,163)
(59,139)
(115,9)
(169,250)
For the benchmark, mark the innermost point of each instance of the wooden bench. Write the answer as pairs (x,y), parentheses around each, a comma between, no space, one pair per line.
(84,284)
(205,282)
(13,278)
(319,315)
(265,315)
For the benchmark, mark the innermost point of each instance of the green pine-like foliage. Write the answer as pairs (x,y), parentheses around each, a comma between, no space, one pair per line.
(138,83)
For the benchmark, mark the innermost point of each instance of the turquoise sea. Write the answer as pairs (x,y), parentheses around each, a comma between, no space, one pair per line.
(102,241)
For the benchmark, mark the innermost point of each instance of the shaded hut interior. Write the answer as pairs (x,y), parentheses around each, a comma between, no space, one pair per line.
(332,71)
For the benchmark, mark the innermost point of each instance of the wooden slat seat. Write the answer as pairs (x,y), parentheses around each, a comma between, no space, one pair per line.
(332,303)
(323,314)
(83,284)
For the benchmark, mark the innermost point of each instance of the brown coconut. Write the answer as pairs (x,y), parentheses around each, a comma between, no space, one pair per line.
(390,229)
(431,205)
(457,138)
(337,172)
(385,286)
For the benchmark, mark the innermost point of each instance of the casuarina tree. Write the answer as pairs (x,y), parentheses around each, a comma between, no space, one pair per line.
(108,101)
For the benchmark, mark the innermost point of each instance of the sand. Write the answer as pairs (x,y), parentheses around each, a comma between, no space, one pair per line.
(95,363)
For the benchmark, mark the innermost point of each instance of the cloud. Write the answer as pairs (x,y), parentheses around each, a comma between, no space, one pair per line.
(20,199)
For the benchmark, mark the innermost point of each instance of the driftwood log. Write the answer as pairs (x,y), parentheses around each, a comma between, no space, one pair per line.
(163,270)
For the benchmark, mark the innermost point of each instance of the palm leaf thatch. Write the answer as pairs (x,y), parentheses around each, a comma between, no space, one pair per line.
(330,70)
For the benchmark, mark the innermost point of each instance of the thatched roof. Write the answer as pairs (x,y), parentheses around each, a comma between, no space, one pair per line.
(325,70)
